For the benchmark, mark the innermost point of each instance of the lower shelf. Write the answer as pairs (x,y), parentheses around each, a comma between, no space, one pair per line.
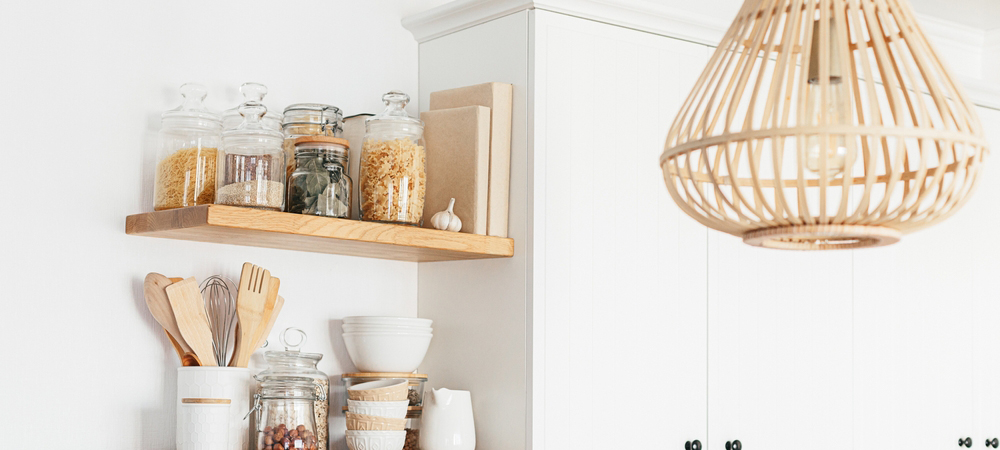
(257,228)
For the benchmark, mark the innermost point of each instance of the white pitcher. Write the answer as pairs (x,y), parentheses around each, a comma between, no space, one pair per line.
(447,421)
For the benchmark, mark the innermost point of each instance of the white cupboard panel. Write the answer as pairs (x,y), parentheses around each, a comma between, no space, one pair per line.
(619,270)
(779,327)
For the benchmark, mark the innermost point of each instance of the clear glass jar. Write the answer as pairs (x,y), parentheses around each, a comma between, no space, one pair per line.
(292,364)
(309,119)
(412,428)
(252,92)
(251,164)
(284,414)
(320,185)
(393,175)
(190,137)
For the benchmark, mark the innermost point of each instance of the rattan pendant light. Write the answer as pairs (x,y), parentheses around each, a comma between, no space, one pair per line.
(824,124)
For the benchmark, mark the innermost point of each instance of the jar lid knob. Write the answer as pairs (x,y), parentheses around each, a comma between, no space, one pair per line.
(395,99)
(194,94)
(285,341)
(252,112)
(253,92)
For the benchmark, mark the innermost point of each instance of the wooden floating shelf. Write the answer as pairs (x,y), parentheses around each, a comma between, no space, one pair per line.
(257,228)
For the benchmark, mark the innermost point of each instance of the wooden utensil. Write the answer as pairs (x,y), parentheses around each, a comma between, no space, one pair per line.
(265,314)
(187,359)
(272,315)
(154,289)
(189,310)
(250,301)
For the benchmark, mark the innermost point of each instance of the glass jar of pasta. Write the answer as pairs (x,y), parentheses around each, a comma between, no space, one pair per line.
(189,141)
(309,119)
(393,176)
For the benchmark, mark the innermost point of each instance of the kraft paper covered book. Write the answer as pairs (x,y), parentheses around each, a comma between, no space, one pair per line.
(499,98)
(457,142)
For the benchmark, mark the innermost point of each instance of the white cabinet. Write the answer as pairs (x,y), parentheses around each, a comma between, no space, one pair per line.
(622,323)
(779,346)
(619,269)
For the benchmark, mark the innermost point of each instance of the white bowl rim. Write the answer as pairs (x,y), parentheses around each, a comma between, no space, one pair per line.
(386,325)
(367,319)
(369,403)
(386,333)
(375,432)
(379,384)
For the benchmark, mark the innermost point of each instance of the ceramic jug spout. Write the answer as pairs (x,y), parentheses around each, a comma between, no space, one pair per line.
(441,396)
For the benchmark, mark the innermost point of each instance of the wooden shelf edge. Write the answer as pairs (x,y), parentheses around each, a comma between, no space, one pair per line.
(258,228)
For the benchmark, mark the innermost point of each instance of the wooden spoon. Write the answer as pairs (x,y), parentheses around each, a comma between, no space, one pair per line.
(154,289)
(189,310)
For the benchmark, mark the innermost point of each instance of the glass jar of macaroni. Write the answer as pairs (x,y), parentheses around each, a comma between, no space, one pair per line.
(189,141)
(393,176)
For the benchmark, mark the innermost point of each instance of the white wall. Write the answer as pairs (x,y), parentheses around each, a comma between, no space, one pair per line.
(84,84)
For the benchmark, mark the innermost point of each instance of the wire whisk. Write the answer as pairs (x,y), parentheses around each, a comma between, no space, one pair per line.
(220,306)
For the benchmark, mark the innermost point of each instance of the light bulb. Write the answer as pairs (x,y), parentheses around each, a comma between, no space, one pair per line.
(836,113)
(832,156)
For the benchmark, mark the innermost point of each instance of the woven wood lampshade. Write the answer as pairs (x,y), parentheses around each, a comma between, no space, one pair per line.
(824,124)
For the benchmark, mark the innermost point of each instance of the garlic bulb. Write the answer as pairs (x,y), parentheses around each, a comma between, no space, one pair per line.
(447,220)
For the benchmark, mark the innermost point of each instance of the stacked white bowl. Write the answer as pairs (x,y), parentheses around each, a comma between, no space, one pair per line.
(387,344)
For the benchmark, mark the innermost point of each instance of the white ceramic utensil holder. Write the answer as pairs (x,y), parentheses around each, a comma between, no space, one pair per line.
(203,424)
(233,383)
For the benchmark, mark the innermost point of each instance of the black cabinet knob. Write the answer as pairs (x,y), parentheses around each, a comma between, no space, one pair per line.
(692,445)
(734,445)
(967,442)
(992,443)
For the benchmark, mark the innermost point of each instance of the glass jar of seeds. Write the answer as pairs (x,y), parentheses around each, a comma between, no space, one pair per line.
(309,119)
(251,163)
(393,175)
(320,185)
(186,163)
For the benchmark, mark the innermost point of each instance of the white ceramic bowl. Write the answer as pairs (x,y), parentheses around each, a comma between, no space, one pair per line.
(395,410)
(384,390)
(387,352)
(380,320)
(353,328)
(370,440)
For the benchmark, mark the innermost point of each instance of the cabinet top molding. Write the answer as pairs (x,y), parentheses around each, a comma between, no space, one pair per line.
(971,50)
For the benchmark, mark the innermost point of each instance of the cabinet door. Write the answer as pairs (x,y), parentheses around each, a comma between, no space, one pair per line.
(619,270)
(913,311)
(779,347)
(981,215)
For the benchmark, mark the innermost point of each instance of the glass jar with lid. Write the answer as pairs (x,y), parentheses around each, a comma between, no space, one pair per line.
(186,162)
(309,119)
(292,364)
(252,92)
(251,163)
(393,176)
(320,184)
(284,416)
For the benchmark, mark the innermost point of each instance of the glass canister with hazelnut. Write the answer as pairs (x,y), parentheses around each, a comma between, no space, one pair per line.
(295,365)
(284,414)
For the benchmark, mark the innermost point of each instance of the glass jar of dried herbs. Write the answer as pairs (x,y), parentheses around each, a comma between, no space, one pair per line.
(320,185)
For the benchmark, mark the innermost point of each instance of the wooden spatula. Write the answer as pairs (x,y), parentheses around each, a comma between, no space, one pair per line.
(154,288)
(187,358)
(189,310)
(250,301)
(265,314)
(270,321)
